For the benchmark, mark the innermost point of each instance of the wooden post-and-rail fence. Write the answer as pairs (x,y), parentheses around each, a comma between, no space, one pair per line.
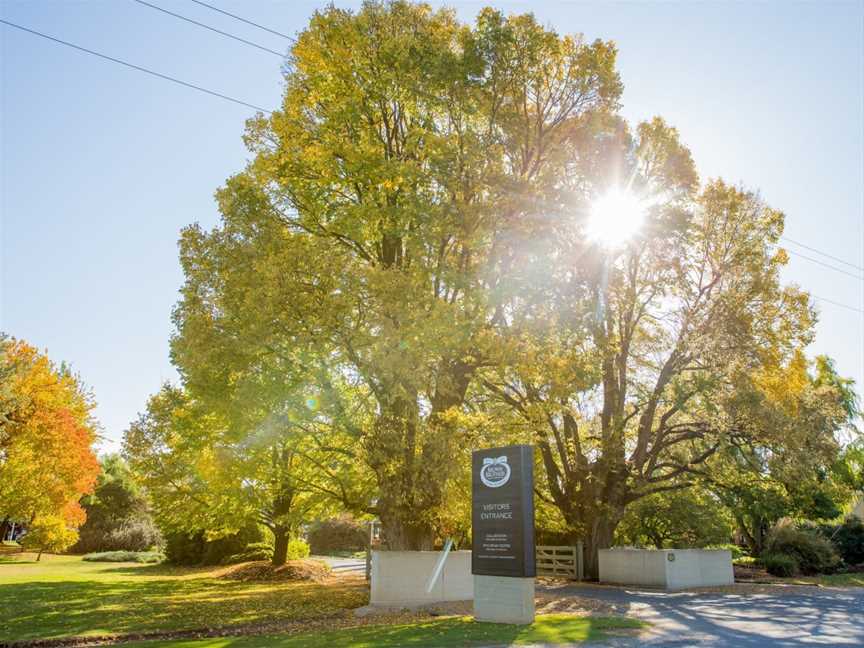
(561,561)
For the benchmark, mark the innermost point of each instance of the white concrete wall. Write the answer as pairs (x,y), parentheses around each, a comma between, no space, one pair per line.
(399,578)
(633,567)
(708,568)
(671,569)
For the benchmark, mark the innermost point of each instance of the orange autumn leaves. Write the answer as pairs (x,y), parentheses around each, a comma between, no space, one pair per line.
(46,435)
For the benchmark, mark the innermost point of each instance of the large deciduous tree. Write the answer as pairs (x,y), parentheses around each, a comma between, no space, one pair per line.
(792,468)
(46,436)
(369,239)
(638,362)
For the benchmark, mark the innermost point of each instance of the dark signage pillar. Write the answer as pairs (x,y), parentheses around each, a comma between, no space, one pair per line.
(502,516)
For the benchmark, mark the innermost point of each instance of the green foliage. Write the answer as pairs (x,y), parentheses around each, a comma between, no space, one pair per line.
(263,552)
(193,548)
(849,467)
(118,514)
(353,271)
(342,533)
(49,533)
(848,538)
(780,564)
(814,554)
(793,472)
(404,271)
(679,519)
(148,557)
(297,549)
(736,551)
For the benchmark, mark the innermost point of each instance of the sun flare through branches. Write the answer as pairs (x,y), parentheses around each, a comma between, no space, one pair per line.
(615,217)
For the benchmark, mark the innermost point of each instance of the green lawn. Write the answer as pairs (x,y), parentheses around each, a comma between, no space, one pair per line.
(837,580)
(553,628)
(63,596)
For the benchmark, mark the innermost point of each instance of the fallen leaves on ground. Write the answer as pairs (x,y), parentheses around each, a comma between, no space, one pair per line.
(294,570)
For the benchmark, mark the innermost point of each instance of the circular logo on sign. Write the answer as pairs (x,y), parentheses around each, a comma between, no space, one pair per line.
(495,472)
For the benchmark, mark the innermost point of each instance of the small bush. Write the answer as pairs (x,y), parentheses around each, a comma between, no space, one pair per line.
(134,535)
(192,548)
(782,565)
(254,552)
(297,549)
(339,534)
(259,546)
(848,538)
(182,548)
(814,554)
(125,556)
(737,552)
(215,551)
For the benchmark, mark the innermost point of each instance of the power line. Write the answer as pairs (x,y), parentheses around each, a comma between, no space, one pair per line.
(138,67)
(213,29)
(826,265)
(825,254)
(831,301)
(248,22)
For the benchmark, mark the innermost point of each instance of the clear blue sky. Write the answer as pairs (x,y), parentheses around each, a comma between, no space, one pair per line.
(102,166)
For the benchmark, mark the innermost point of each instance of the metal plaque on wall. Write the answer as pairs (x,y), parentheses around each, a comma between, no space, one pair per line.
(502,511)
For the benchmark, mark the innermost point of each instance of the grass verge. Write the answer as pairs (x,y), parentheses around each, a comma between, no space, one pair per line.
(438,633)
(63,596)
(836,580)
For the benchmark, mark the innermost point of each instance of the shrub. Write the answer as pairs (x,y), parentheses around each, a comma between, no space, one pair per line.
(134,535)
(848,538)
(118,514)
(215,551)
(253,552)
(49,533)
(737,552)
(191,548)
(338,534)
(779,564)
(297,549)
(814,554)
(125,556)
(184,548)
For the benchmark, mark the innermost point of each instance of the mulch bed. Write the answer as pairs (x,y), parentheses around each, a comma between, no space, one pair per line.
(294,570)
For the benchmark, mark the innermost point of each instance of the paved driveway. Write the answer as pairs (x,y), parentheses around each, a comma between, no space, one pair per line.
(805,616)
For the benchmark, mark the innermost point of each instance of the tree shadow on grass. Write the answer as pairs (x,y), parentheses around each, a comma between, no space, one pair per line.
(54,609)
(158,569)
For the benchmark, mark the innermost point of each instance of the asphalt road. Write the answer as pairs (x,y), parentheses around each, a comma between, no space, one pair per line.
(807,616)
(345,565)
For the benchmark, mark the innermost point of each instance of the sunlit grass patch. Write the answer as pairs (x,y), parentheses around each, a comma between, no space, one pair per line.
(64,596)
(453,631)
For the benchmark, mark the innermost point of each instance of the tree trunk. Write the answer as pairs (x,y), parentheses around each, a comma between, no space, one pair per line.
(39,556)
(280,545)
(4,528)
(601,530)
(400,534)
